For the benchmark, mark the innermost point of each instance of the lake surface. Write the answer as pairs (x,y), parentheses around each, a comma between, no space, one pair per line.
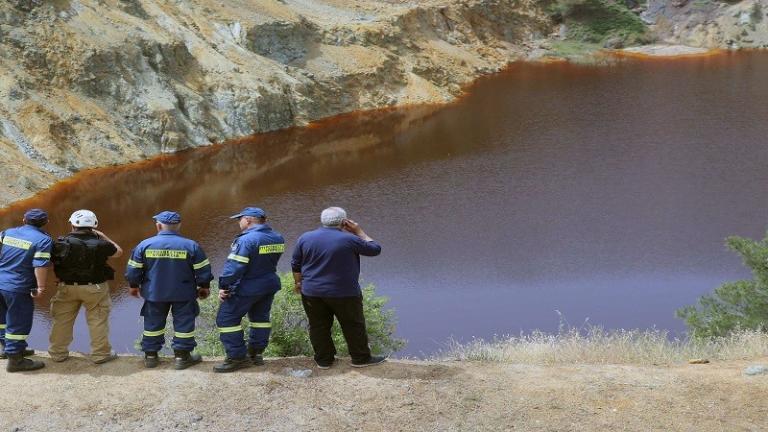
(601,195)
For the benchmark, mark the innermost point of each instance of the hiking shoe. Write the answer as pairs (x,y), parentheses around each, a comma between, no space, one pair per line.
(324,364)
(151,360)
(255,355)
(185,359)
(373,361)
(27,353)
(232,364)
(17,363)
(111,356)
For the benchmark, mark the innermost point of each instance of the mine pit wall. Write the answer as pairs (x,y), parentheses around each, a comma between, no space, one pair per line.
(86,84)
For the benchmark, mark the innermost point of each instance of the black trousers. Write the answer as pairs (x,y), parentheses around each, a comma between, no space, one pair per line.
(349,311)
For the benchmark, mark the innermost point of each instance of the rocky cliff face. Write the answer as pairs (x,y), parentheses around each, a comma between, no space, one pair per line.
(87,83)
(708,23)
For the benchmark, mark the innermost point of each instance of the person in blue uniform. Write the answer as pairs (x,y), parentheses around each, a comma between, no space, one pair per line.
(248,285)
(170,272)
(24,261)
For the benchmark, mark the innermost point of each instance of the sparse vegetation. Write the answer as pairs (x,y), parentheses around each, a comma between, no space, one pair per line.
(597,346)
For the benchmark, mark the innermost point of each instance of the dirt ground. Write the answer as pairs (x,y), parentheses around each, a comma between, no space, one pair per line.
(396,396)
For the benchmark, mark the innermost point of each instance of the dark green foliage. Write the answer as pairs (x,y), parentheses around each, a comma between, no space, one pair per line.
(734,305)
(289,325)
(596,21)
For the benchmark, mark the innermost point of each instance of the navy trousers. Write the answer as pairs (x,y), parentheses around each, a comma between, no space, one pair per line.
(16,312)
(155,315)
(231,313)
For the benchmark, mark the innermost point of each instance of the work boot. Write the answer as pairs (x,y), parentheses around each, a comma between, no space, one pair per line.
(17,363)
(27,353)
(232,364)
(255,355)
(151,360)
(185,359)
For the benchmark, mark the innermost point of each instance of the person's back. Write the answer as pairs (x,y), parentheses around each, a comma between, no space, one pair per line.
(326,268)
(80,264)
(168,263)
(18,256)
(81,257)
(330,265)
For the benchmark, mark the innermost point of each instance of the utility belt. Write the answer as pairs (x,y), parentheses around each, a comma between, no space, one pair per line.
(80,282)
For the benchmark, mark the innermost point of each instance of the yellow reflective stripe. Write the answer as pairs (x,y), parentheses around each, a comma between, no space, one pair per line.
(184,335)
(165,253)
(2,326)
(261,325)
(12,336)
(239,258)
(230,329)
(154,332)
(133,263)
(273,248)
(44,255)
(201,264)
(18,243)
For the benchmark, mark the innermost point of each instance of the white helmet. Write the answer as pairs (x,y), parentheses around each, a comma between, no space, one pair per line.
(84,218)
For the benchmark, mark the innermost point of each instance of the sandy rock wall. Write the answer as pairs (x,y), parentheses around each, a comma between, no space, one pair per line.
(708,23)
(88,83)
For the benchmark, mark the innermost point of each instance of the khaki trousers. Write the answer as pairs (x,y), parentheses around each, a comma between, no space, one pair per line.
(65,306)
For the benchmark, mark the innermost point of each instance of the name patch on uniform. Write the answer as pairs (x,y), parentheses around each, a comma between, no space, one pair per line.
(165,253)
(18,243)
(270,249)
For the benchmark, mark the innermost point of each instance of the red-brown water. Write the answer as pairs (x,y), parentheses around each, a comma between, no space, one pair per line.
(602,193)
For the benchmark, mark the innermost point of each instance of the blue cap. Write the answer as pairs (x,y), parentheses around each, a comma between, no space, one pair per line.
(168,217)
(36,215)
(250,211)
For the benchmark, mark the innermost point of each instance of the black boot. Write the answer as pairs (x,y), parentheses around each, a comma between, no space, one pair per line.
(255,355)
(151,360)
(232,364)
(3,355)
(185,359)
(17,363)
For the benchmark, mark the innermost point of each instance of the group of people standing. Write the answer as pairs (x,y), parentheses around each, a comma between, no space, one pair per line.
(171,273)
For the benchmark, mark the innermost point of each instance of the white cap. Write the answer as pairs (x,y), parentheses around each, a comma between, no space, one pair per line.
(84,218)
(332,216)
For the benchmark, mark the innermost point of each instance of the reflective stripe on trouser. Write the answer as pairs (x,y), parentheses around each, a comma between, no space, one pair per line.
(65,306)
(155,315)
(231,313)
(18,310)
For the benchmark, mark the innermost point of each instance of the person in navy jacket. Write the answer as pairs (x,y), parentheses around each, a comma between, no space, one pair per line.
(170,272)
(24,261)
(326,269)
(247,286)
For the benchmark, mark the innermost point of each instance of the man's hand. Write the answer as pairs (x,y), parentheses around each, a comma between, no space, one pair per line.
(223,294)
(38,292)
(203,293)
(353,227)
(297,287)
(98,233)
(133,292)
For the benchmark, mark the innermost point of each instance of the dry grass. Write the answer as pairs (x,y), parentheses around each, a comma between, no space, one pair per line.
(595,345)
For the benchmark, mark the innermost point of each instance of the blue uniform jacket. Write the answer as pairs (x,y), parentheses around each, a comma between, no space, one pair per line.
(251,268)
(168,268)
(24,248)
(329,262)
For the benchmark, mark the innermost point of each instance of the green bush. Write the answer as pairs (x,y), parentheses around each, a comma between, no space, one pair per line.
(596,21)
(290,335)
(734,305)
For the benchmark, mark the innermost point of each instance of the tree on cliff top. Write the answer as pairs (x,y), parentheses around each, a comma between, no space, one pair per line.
(734,305)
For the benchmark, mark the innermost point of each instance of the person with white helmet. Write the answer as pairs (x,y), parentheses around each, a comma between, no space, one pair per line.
(80,264)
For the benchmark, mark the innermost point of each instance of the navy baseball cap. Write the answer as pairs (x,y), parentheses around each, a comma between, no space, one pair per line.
(168,217)
(35,215)
(250,211)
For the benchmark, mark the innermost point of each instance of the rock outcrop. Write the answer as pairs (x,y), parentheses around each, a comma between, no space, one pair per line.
(88,83)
